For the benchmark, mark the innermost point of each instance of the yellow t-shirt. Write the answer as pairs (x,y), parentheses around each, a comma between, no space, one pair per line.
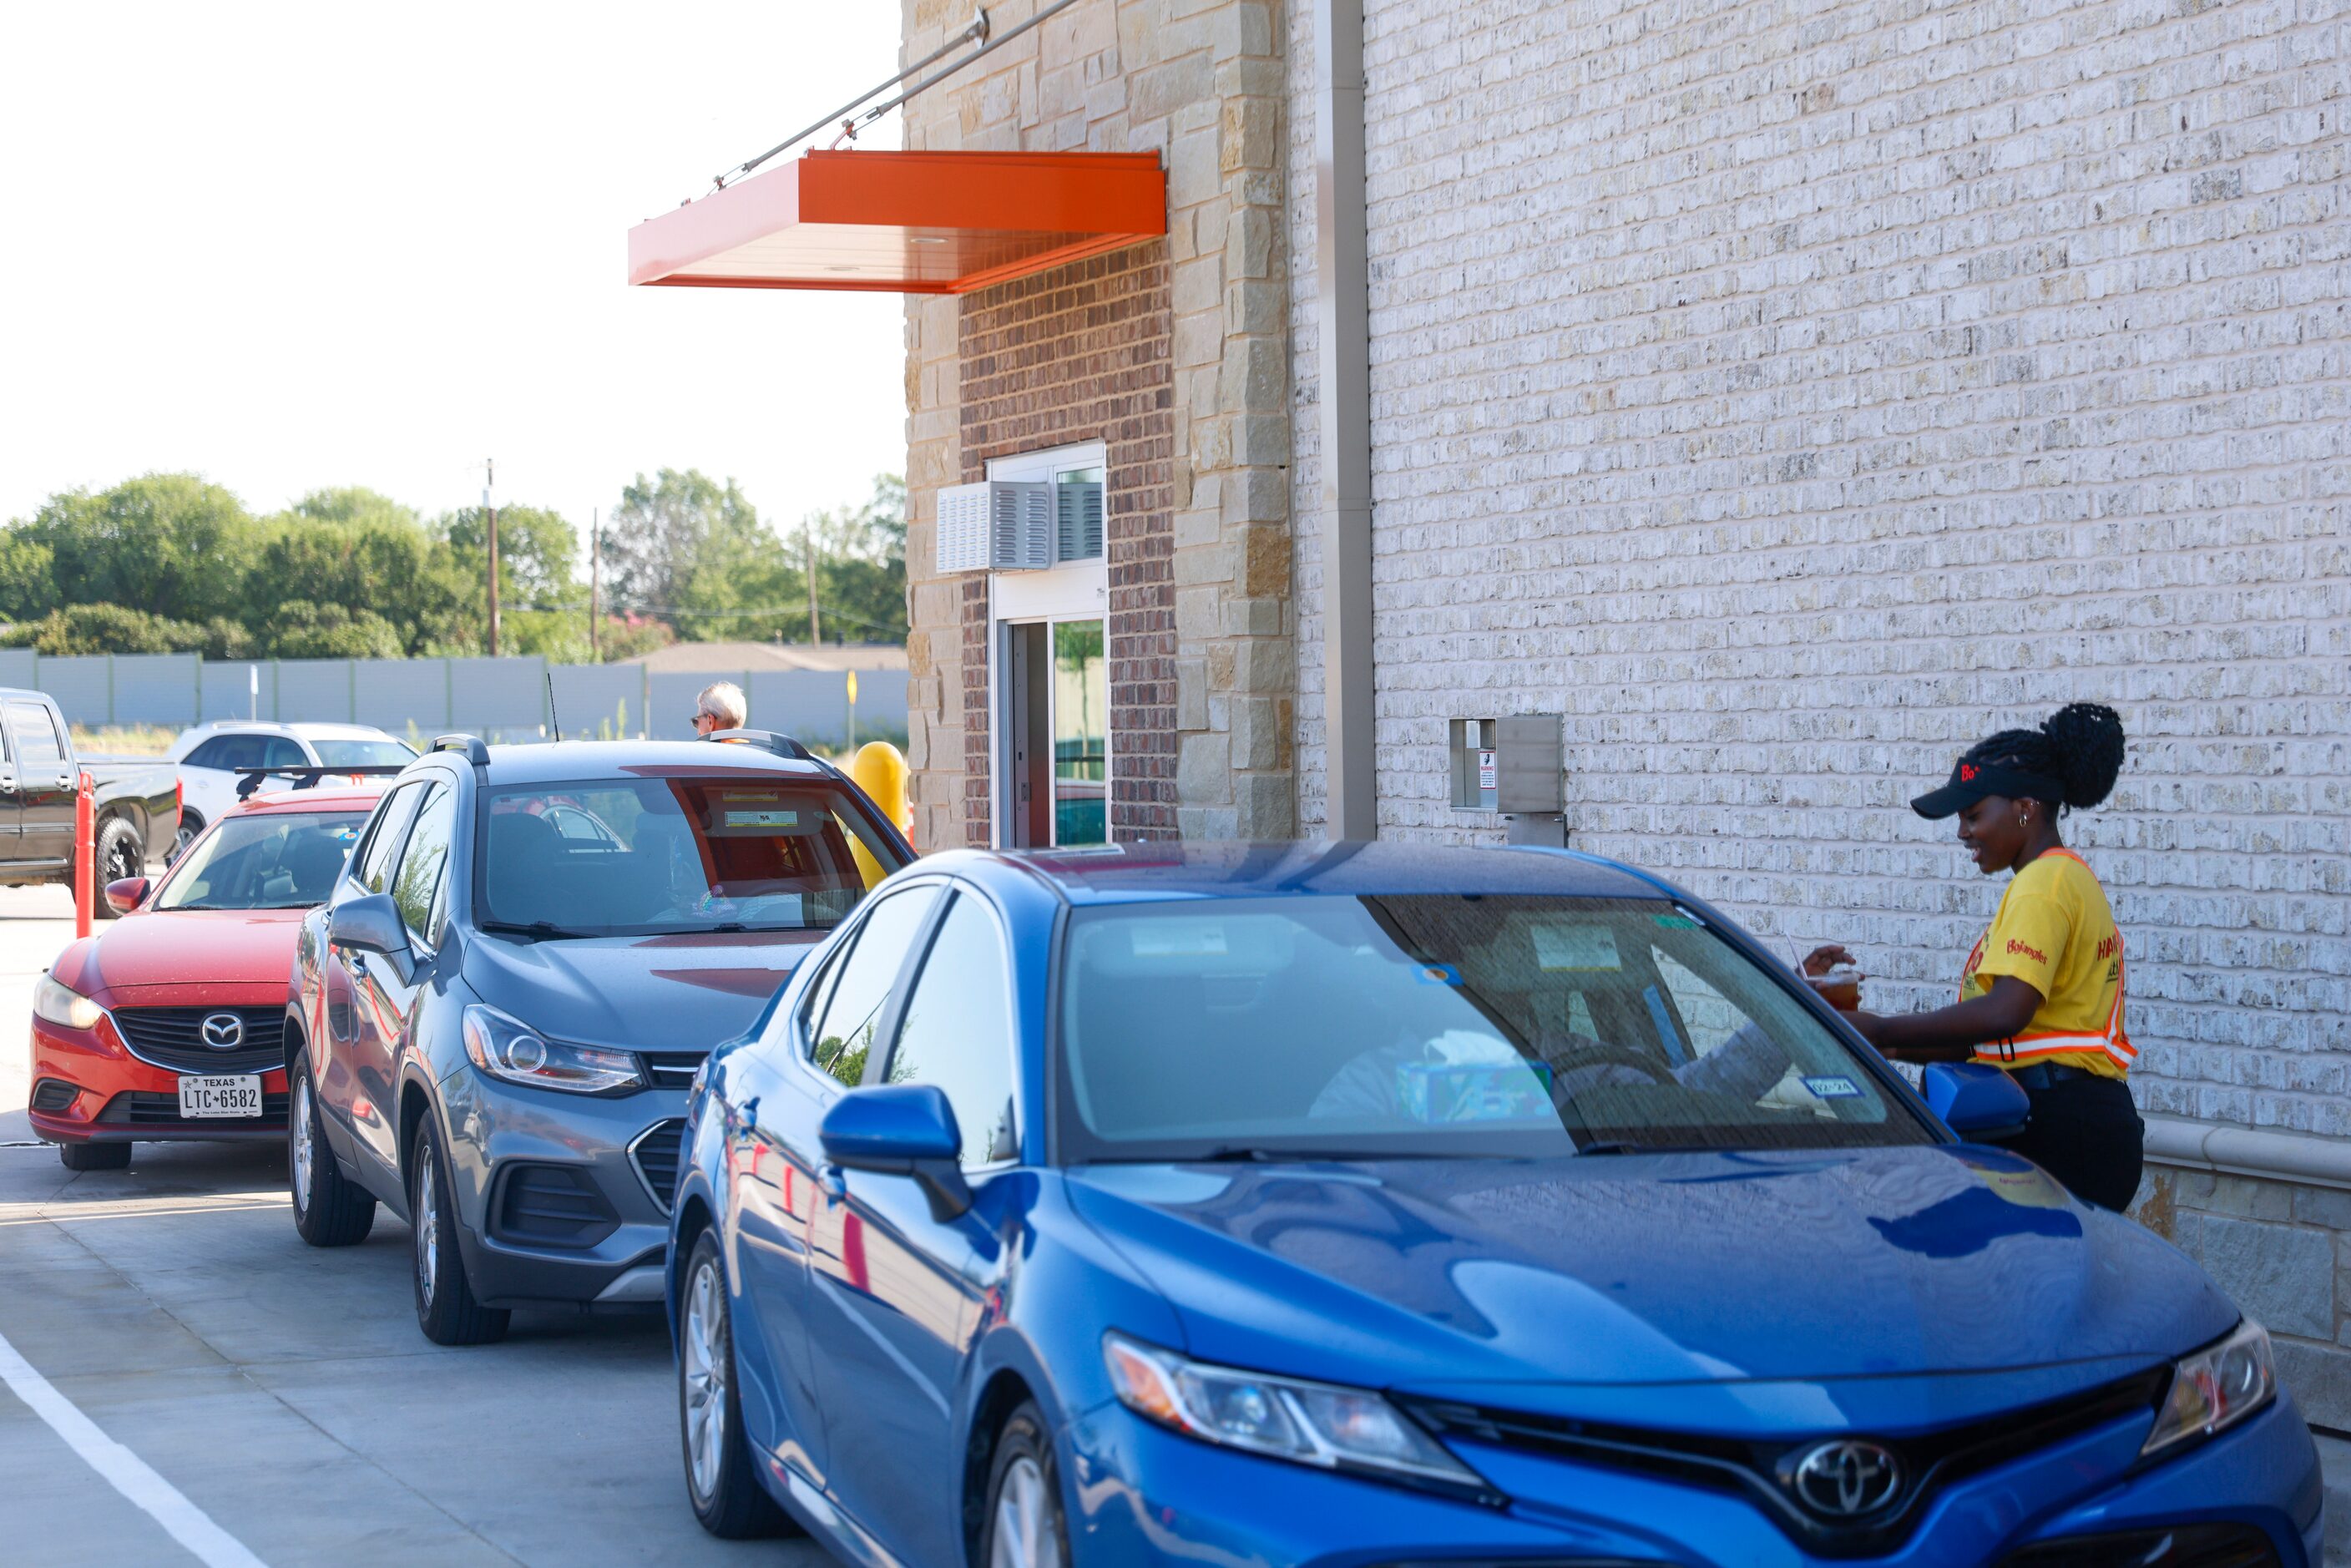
(2055,931)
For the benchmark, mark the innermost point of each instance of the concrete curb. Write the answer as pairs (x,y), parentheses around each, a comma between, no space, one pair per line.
(2249,1151)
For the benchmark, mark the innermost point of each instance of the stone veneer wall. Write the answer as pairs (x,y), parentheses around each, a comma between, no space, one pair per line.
(1079,354)
(1202,82)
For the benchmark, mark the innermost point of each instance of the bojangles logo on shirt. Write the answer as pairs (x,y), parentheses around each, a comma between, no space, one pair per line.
(2033,953)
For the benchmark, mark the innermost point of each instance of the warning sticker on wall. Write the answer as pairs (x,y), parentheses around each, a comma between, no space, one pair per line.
(1485,770)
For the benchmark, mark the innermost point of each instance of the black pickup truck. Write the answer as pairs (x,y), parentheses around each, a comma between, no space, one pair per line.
(138,802)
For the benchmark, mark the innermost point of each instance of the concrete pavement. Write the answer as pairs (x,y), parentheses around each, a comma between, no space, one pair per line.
(286,1391)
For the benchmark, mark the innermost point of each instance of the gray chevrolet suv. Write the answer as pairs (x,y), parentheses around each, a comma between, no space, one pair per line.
(494,1020)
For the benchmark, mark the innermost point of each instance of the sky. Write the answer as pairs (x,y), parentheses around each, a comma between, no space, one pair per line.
(291,247)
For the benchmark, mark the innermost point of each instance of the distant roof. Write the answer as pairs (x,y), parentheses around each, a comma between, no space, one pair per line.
(735,658)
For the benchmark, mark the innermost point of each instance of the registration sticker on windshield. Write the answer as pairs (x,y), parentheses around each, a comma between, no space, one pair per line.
(1575,947)
(1439,974)
(1177,938)
(1834,1088)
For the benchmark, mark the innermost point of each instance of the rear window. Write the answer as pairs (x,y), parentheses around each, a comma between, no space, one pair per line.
(733,851)
(362,753)
(273,861)
(1440,1025)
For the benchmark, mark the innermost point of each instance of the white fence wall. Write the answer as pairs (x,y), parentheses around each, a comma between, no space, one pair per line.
(502,699)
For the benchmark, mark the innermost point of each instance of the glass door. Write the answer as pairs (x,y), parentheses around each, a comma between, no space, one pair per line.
(1080,728)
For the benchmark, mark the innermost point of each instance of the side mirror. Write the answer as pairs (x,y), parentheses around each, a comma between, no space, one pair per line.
(1982,1104)
(367,925)
(126,894)
(901,1129)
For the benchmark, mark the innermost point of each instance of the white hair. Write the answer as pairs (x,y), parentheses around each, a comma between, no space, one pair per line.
(723,701)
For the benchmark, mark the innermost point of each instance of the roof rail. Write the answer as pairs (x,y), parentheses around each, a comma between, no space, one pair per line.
(249,778)
(766,739)
(471,745)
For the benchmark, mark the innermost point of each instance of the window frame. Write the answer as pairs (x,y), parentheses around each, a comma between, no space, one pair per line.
(63,758)
(878,1071)
(428,941)
(356,868)
(885,1027)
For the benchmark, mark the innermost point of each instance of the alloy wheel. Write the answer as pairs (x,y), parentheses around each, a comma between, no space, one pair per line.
(122,862)
(428,1231)
(705,1377)
(1025,1535)
(301,1139)
(181,840)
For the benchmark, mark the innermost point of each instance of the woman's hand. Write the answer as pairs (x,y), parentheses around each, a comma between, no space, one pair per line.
(1820,960)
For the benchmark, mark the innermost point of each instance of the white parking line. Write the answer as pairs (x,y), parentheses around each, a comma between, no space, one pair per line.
(123,1470)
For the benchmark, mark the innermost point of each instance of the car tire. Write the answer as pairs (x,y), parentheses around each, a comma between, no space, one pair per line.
(189,830)
(118,847)
(95,1157)
(447,1307)
(1023,1526)
(328,1211)
(719,1481)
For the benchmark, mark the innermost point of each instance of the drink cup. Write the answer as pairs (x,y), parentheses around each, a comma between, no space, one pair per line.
(1840,987)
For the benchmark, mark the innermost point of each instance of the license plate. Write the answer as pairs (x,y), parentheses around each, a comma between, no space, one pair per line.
(226,1096)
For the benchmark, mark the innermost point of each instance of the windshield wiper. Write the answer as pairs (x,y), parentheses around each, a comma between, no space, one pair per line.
(537,930)
(1230,1153)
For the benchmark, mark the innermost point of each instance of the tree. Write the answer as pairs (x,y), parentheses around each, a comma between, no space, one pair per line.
(861,574)
(683,547)
(105,629)
(308,630)
(378,559)
(170,544)
(538,553)
(28,587)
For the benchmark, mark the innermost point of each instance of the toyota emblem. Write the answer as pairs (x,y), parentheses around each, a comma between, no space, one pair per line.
(222,1031)
(1846,1479)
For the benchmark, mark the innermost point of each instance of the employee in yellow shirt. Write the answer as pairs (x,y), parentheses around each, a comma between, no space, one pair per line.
(2041,995)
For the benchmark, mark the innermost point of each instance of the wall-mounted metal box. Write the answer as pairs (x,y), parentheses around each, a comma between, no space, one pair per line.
(1514,766)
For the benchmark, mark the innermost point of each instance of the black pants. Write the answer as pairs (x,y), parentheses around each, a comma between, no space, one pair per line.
(2086,1132)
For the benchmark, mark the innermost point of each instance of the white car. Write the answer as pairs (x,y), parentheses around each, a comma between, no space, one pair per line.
(209,755)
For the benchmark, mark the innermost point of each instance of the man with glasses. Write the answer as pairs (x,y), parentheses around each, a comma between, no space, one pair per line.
(720,706)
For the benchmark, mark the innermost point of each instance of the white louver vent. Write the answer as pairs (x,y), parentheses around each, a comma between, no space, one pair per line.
(1078,504)
(997,525)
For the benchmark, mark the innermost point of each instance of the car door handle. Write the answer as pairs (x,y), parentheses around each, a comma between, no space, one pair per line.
(746,1115)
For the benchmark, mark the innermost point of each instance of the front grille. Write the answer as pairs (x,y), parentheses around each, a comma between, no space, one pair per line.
(2180,1546)
(143,1108)
(51,1095)
(1761,1470)
(655,1152)
(173,1037)
(672,1068)
(553,1205)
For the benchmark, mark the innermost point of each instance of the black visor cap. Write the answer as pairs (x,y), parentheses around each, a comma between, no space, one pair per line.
(1971,781)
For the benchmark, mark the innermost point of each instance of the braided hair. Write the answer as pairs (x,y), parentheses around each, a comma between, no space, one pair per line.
(2081,745)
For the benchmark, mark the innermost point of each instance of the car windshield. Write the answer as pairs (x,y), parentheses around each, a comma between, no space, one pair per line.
(644,856)
(362,753)
(278,860)
(1440,1025)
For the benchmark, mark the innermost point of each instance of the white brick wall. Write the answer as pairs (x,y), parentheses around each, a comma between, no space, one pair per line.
(1791,394)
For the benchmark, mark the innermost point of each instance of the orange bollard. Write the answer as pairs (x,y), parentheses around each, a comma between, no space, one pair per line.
(85,851)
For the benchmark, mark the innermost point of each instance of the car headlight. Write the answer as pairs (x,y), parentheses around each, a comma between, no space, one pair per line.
(2215,1388)
(61,1004)
(508,1049)
(1318,1424)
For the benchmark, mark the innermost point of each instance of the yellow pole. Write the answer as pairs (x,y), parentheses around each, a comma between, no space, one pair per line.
(880,770)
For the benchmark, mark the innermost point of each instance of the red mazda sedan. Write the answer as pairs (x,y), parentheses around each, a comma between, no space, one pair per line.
(171,1026)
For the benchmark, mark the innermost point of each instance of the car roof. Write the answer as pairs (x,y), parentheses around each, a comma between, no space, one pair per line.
(563,762)
(1134,872)
(344,798)
(320,727)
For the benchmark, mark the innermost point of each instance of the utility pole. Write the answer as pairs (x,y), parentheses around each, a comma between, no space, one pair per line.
(595,585)
(816,633)
(490,512)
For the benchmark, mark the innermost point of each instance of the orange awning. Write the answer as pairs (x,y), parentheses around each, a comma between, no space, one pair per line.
(906,223)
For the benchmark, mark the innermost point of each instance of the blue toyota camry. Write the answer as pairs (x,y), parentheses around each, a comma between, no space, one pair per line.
(1378,1205)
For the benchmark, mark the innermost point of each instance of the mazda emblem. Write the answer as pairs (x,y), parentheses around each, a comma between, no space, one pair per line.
(1846,1479)
(222,1031)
